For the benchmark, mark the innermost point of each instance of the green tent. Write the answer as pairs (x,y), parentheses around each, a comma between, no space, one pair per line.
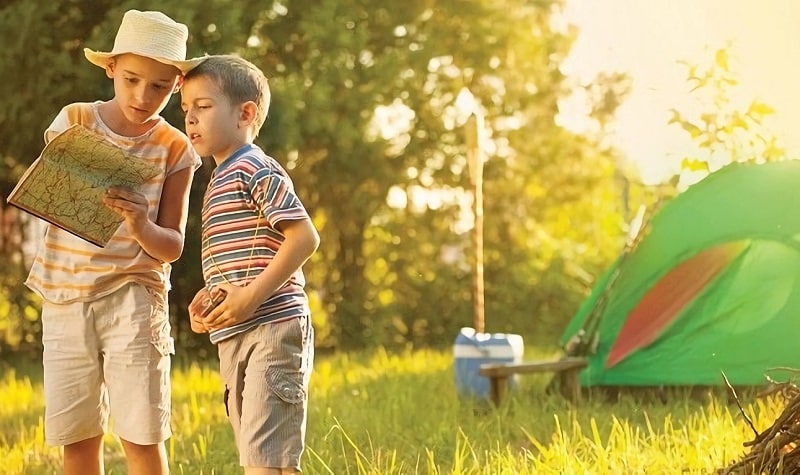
(711,287)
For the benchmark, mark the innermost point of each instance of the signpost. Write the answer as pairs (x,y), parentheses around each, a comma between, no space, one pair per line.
(475,164)
(473,347)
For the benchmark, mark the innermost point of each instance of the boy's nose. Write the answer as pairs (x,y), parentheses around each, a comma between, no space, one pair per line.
(140,95)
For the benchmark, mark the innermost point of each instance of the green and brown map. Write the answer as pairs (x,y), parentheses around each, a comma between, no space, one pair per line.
(65,185)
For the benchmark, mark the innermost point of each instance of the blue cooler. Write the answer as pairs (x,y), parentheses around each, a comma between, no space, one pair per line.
(472,349)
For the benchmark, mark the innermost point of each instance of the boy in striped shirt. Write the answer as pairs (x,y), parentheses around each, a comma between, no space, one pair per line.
(256,236)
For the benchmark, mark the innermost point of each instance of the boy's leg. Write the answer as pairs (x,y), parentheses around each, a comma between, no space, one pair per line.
(266,371)
(269,471)
(84,457)
(137,347)
(146,459)
(76,403)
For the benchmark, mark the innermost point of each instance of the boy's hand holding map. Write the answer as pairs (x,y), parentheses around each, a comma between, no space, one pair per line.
(77,173)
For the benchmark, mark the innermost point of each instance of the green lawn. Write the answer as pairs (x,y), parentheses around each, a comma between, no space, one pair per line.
(385,413)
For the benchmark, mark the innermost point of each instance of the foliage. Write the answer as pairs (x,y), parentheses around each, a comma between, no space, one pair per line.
(415,66)
(19,313)
(368,105)
(380,412)
(724,131)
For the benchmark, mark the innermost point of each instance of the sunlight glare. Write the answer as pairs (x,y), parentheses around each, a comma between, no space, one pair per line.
(648,39)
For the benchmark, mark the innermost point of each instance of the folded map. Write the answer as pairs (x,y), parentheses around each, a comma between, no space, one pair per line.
(66,184)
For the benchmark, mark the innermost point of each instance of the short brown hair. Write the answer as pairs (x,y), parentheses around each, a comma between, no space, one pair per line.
(240,80)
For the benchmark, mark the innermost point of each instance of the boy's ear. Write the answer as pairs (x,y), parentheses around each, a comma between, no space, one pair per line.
(247,114)
(178,85)
(111,64)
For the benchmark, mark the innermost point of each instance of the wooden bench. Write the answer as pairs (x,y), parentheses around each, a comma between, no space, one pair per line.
(567,369)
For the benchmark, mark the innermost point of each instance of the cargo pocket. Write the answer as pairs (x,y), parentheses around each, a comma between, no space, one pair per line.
(288,386)
(160,328)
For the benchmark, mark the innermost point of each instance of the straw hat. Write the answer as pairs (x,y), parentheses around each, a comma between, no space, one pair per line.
(150,34)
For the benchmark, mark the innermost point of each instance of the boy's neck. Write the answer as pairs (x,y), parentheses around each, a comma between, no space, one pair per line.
(115,120)
(218,160)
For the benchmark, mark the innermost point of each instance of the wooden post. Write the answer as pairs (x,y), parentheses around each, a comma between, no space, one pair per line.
(472,131)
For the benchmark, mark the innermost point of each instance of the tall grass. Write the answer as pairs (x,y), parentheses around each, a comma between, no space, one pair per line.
(386,413)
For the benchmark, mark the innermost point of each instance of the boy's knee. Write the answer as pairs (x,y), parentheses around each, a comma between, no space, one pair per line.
(139,450)
(146,459)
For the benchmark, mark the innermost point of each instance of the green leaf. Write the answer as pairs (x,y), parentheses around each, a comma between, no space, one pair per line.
(676,117)
(758,108)
(721,59)
(694,165)
(694,131)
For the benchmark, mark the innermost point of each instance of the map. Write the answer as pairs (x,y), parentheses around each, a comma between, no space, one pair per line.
(66,184)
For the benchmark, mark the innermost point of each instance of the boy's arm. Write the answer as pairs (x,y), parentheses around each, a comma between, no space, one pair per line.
(163,239)
(301,241)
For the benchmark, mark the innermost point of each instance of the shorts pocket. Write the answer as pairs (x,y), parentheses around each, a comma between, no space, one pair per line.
(160,336)
(288,386)
(160,329)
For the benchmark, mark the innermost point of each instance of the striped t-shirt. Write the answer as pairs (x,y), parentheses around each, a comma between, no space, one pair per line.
(248,195)
(67,268)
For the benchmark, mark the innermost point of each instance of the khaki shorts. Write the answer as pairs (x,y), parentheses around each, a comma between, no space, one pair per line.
(266,372)
(108,356)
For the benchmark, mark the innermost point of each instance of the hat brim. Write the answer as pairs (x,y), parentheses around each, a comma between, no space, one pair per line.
(99,58)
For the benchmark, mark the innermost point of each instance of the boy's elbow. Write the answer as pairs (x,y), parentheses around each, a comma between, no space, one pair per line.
(176,242)
(312,236)
(304,235)
(175,256)
(313,242)
(168,256)
(174,248)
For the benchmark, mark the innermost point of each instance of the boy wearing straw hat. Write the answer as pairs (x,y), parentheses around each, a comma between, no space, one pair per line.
(256,236)
(105,326)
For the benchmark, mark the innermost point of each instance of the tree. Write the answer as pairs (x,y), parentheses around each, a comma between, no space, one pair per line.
(723,131)
(337,64)
(368,106)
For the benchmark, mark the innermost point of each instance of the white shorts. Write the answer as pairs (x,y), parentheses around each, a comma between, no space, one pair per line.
(108,356)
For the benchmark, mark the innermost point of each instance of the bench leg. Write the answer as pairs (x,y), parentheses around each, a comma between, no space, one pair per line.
(570,384)
(497,386)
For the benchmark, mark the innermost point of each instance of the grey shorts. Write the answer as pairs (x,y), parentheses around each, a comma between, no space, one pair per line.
(266,372)
(108,356)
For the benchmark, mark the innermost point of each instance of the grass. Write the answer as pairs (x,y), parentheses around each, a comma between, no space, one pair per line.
(386,413)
